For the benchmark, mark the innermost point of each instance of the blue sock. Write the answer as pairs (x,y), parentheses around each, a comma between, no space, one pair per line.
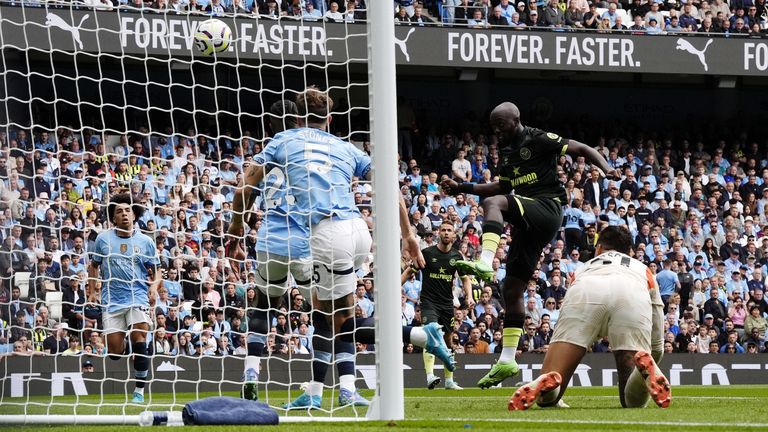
(345,357)
(140,363)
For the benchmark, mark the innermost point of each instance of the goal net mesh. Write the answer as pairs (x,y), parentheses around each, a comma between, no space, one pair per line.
(97,100)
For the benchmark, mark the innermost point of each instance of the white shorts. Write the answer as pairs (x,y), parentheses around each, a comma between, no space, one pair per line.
(272,273)
(597,306)
(122,320)
(339,247)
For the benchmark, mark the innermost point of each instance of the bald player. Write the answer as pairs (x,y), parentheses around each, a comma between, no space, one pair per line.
(530,196)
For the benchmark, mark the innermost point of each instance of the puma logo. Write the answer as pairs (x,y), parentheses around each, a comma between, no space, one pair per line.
(684,45)
(53,20)
(402,44)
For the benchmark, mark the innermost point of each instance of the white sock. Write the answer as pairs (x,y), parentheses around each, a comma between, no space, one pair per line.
(507,354)
(139,390)
(635,392)
(347,382)
(252,362)
(315,388)
(487,256)
(547,398)
(418,337)
(430,377)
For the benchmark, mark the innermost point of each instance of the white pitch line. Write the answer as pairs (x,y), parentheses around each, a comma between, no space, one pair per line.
(604,422)
(597,397)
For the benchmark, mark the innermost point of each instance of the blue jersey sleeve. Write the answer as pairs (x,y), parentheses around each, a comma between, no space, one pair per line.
(269,154)
(362,163)
(100,250)
(150,254)
(259,158)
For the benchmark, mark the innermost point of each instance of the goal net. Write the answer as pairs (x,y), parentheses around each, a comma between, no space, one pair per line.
(98,100)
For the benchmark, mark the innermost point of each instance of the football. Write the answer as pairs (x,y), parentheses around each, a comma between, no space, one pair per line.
(213,36)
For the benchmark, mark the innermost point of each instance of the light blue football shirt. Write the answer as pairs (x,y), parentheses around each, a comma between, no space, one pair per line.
(124,266)
(284,231)
(572,217)
(319,168)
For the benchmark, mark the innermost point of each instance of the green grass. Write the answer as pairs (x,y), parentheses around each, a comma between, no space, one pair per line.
(714,408)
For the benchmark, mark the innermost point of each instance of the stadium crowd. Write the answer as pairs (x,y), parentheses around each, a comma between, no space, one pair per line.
(698,214)
(734,17)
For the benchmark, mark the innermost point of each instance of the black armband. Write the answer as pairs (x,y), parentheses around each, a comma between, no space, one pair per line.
(467,188)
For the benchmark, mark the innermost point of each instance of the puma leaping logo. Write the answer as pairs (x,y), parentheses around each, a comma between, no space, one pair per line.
(684,45)
(56,21)
(402,44)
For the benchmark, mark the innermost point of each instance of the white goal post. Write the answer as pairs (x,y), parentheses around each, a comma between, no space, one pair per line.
(97,85)
(382,91)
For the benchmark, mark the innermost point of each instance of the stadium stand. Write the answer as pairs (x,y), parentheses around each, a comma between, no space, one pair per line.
(719,18)
(54,183)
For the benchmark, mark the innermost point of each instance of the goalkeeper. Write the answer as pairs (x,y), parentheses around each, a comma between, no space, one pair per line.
(126,261)
(612,295)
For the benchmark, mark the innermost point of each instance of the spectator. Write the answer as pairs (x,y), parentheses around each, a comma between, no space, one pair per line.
(619,26)
(702,340)
(674,26)
(333,14)
(533,311)
(215,8)
(574,15)
(522,11)
(418,18)
(732,345)
(668,281)
(611,14)
(224,348)
(739,14)
(714,309)
(475,344)
(550,310)
(497,19)
(531,341)
(507,9)
(688,21)
(477,20)
(412,289)
(235,7)
(408,5)
(74,347)
(654,13)
(638,9)
(533,19)
(683,338)
(362,300)
(310,13)
(463,12)
(755,321)
(401,17)
(57,342)
(552,15)
(604,346)
(206,345)
(741,26)
(720,6)
(758,297)
(591,21)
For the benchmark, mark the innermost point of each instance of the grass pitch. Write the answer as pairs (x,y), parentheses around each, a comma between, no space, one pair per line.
(699,408)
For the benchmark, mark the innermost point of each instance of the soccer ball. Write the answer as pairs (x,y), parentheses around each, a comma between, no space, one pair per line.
(212,36)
